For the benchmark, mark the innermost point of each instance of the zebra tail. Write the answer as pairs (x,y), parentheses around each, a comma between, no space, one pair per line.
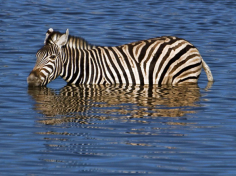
(208,71)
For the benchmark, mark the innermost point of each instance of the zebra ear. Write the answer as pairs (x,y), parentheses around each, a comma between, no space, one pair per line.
(50,30)
(63,39)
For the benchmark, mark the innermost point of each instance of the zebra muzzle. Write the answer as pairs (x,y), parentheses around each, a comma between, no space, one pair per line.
(33,79)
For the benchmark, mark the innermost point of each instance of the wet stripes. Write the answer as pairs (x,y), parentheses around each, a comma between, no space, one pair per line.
(164,60)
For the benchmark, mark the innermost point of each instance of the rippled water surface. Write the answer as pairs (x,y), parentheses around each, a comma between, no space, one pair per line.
(118,130)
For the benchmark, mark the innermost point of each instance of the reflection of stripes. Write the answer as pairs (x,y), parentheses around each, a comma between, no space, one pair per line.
(164,60)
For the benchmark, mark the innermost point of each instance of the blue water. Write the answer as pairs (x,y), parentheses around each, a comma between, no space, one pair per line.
(118,130)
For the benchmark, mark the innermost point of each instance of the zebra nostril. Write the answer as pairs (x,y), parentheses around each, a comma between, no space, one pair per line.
(33,79)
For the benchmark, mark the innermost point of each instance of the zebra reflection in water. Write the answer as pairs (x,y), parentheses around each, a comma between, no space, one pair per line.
(84,102)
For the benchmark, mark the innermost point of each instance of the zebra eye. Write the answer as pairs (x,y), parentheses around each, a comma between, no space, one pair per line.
(52,56)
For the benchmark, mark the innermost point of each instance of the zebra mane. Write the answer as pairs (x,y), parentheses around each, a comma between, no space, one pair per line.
(74,42)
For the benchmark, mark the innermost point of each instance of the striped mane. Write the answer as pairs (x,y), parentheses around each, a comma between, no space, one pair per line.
(73,42)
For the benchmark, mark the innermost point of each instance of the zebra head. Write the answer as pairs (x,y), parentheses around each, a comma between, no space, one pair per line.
(49,59)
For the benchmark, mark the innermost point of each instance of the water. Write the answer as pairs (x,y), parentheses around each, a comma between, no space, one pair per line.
(117,130)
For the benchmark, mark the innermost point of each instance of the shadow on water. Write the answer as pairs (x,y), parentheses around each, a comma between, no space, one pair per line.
(83,102)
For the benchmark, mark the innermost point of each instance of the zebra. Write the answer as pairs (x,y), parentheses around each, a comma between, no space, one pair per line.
(163,60)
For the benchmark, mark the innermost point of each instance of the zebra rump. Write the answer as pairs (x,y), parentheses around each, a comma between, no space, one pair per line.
(162,60)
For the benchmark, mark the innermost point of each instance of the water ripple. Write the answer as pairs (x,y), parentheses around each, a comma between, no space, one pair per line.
(117,130)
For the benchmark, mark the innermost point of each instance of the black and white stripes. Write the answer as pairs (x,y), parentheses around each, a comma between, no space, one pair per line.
(163,60)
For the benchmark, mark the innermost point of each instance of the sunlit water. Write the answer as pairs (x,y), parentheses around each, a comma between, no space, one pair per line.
(123,129)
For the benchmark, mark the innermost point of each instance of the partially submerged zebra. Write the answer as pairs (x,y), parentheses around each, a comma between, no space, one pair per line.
(163,60)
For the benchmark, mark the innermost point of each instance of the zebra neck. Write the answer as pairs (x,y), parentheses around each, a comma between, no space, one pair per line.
(73,59)
(77,67)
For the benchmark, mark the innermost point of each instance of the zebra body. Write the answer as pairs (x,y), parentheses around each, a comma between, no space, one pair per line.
(163,60)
